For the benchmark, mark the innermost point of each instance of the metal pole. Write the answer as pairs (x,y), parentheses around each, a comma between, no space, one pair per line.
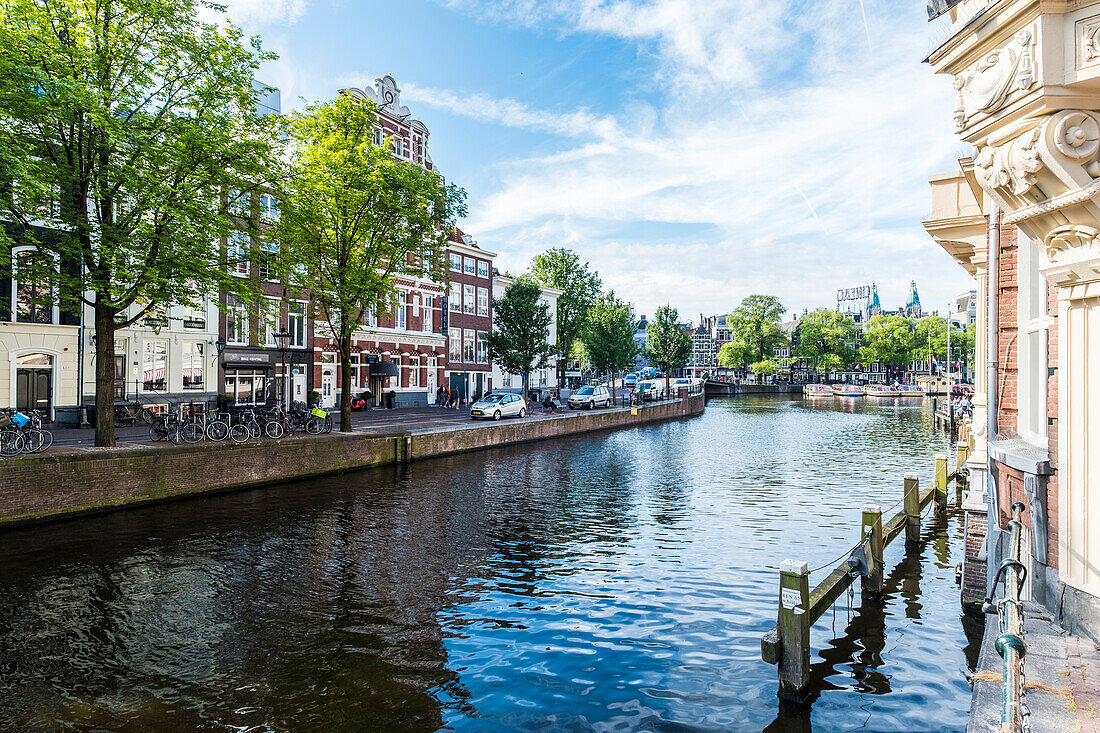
(992,287)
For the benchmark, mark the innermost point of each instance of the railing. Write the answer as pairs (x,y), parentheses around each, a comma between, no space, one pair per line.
(1010,644)
(787,644)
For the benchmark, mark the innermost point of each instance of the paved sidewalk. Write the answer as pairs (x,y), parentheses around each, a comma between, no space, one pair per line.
(1061,679)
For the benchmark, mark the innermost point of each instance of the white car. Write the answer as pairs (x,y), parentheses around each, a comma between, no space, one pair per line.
(650,390)
(497,405)
(590,397)
(679,384)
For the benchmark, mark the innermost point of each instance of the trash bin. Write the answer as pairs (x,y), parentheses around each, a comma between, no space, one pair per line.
(91,415)
(67,416)
(389,400)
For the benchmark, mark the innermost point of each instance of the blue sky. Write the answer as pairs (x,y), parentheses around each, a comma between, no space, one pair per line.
(694,151)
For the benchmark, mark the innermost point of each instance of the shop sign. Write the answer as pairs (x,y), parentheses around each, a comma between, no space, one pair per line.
(370,358)
(445,310)
(240,358)
(198,323)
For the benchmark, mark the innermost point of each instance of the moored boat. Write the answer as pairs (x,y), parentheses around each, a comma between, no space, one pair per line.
(817,390)
(910,390)
(880,390)
(847,390)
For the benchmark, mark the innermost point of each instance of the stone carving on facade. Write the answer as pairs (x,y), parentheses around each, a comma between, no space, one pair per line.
(986,86)
(1088,43)
(386,95)
(1010,166)
(1072,254)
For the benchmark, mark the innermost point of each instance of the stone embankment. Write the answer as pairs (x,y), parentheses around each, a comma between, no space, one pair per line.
(55,486)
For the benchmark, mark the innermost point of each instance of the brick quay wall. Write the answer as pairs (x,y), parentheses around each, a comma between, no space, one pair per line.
(56,486)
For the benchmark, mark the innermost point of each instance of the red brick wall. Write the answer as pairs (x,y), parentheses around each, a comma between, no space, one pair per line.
(1052,429)
(1008,343)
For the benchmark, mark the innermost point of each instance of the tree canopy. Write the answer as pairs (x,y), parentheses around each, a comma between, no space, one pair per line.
(519,341)
(124,124)
(564,270)
(929,337)
(608,336)
(668,345)
(755,325)
(353,218)
(827,340)
(887,339)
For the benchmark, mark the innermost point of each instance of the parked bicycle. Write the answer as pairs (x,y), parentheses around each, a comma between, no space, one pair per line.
(32,438)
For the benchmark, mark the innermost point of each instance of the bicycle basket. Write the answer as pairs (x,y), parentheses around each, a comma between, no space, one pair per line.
(318,412)
(20,420)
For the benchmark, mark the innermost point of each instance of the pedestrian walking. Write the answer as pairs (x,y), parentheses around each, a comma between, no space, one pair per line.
(439,396)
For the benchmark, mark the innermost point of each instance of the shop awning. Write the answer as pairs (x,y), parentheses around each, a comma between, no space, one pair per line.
(385,369)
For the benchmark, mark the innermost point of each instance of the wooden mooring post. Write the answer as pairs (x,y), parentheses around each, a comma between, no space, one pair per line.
(787,644)
(912,513)
(941,484)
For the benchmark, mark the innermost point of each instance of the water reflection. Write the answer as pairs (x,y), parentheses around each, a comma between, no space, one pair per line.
(611,582)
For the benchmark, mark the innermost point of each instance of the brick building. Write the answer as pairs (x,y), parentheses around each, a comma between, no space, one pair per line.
(1020,216)
(469,316)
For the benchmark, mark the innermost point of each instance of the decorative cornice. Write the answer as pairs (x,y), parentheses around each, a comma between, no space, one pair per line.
(1062,201)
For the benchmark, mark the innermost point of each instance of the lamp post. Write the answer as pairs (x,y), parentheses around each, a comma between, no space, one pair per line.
(282,338)
(219,346)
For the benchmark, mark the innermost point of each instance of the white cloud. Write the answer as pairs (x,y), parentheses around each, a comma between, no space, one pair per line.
(261,12)
(789,152)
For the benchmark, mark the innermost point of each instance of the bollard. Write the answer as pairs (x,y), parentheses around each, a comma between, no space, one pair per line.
(794,629)
(961,454)
(872,532)
(912,511)
(941,484)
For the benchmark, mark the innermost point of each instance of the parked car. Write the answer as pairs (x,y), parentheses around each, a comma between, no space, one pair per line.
(630,380)
(650,390)
(590,397)
(678,384)
(494,406)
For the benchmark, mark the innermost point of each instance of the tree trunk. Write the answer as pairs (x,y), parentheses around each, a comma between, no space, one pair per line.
(526,385)
(612,388)
(104,376)
(345,392)
(667,387)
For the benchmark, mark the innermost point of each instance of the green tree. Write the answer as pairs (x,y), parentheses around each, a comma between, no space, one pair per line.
(734,355)
(764,368)
(608,336)
(129,120)
(962,344)
(755,323)
(930,338)
(667,344)
(563,269)
(887,339)
(353,218)
(827,340)
(521,329)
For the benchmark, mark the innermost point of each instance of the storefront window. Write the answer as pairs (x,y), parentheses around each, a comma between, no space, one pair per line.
(193,366)
(154,366)
(246,386)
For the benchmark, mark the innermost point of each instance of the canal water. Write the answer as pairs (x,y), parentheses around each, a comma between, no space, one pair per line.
(611,582)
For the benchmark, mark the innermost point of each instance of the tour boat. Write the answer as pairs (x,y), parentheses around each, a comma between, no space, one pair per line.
(847,390)
(910,390)
(880,390)
(817,390)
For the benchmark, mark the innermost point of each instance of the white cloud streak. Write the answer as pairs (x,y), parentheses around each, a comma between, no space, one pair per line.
(261,12)
(783,157)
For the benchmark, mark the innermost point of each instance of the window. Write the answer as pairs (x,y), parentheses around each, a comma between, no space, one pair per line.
(414,371)
(370,317)
(468,355)
(269,209)
(38,204)
(482,348)
(238,202)
(507,380)
(483,302)
(353,367)
(1034,324)
(416,304)
(399,310)
(471,265)
(266,262)
(236,320)
(193,314)
(456,262)
(193,365)
(296,322)
(269,313)
(239,245)
(246,386)
(427,315)
(454,343)
(482,268)
(456,298)
(468,299)
(154,366)
(399,146)
(34,301)
(379,136)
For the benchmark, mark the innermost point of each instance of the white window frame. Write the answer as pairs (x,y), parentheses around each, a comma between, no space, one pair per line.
(456,297)
(239,266)
(454,346)
(1032,355)
(469,348)
(269,208)
(271,315)
(145,351)
(470,266)
(482,348)
(239,203)
(414,371)
(399,315)
(241,320)
(456,262)
(55,312)
(297,323)
(469,299)
(188,354)
(482,269)
(483,302)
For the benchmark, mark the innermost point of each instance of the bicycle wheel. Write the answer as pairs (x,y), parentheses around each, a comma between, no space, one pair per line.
(217,430)
(32,441)
(192,432)
(11,443)
(158,431)
(238,433)
(273,430)
(47,440)
(328,424)
(314,426)
(175,434)
(148,416)
(254,430)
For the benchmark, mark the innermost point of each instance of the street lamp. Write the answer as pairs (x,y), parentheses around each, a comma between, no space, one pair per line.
(282,338)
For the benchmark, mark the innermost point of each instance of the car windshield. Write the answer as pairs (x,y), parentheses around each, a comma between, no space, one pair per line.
(491,398)
(584,390)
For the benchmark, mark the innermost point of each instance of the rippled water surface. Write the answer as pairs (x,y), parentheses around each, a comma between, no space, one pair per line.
(618,581)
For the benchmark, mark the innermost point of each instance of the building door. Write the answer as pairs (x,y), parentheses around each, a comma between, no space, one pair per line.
(34,384)
(298,385)
(328,385)
(120,376)
(430,383)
